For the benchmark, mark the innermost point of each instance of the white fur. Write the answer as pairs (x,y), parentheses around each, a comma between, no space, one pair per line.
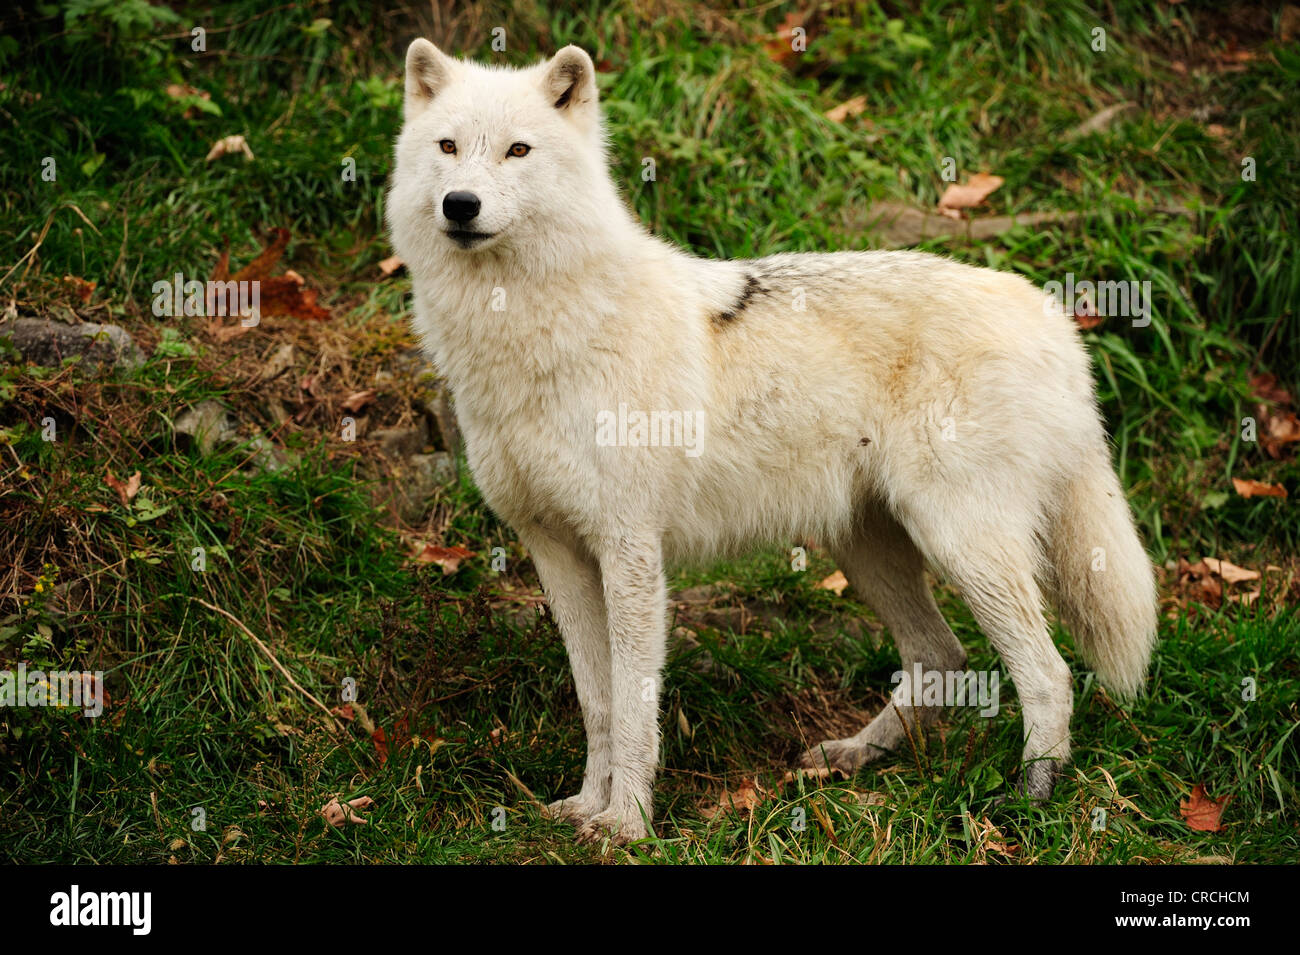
(913,410)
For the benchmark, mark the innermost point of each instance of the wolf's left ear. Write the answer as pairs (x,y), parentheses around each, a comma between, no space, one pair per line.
(569,81)
(428,70)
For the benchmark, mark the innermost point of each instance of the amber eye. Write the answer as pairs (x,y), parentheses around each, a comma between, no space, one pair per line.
(519,149)
(447,146)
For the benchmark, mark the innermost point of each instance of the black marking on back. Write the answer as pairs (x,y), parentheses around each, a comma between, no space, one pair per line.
(752,287)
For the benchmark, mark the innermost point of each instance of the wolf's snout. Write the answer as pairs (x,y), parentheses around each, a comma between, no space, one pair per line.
(460,206)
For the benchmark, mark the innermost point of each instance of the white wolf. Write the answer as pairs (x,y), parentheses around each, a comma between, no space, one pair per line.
(898,407)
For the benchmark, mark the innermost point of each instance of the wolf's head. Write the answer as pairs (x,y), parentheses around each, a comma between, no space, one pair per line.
(494,157)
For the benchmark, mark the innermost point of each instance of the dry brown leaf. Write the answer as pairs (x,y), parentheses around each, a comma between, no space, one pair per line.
(1280,428)
(1289,23)
(1202,813)
(1250,488)
(847,109)
(1230,572)
(969,194)
(836,583)
(356,402)
(224,333)
(746,798)
(391,264)
(336,813)
(228,145)
(448,558)
(126,490)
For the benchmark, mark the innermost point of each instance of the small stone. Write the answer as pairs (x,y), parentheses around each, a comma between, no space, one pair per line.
(48,343)
(206,425)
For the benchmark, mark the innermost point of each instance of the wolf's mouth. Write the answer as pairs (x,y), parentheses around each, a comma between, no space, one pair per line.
(466,238)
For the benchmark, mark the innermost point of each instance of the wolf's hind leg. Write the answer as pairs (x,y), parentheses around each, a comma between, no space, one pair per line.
(572,584)
(991,559)
(888,573)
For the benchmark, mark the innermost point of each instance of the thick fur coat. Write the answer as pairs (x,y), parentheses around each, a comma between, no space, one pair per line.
(900,408)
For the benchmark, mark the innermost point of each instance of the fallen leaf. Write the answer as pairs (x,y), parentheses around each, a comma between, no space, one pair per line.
(184,90)
(344,712)
(1280,428)
(448,558)
(336,813)
(228,145)
(1201,812)
(1230,572)
(745,799)
(847,109)
(80,288)
(1264,386)
(224,333)
(287,295)
(358,400)
(391,264)
(1249,488)
(1289,23)
(126,490)
(836,582)
(1217,131)
(965,196)
(780,48)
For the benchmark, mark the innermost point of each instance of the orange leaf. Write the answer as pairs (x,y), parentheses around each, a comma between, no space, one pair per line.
(780,48)
(972,193)
(391,264)
(847,109)
(1201,812)
(80,288)
(745,799)
(1249,488)
(835,582)
(448,558)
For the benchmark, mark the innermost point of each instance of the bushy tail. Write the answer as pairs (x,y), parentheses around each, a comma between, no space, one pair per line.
(1104,586)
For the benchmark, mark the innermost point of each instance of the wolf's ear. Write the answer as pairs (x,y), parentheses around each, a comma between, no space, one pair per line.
(428,70)
(569,80)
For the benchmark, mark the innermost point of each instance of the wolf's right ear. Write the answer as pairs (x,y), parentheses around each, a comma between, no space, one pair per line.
(569,80)
(428,70)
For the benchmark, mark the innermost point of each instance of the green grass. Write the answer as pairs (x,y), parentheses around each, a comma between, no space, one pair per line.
(746,164)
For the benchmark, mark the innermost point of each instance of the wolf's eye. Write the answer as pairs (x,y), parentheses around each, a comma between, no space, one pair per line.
(519,149)
(448,146)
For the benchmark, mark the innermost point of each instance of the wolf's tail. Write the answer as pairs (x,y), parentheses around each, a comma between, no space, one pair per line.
(1103,582)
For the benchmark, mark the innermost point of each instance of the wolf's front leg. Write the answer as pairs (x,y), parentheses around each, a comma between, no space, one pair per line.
(636,603)
(571,580)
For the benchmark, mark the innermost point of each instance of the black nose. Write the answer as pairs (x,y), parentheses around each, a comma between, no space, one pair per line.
(460,206)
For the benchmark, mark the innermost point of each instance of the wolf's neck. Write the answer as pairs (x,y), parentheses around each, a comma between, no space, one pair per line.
(533,315)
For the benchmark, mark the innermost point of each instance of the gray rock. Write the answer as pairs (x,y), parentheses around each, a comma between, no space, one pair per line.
(206,425)
(402,442)
(412,482)
(47,343)
(439,408)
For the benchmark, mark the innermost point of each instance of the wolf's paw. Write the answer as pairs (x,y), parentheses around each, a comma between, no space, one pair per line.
(1037,784)
(575,810)
(620,828)
(842,754)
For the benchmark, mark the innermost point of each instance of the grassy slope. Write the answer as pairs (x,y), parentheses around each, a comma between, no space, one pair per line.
(746,165)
